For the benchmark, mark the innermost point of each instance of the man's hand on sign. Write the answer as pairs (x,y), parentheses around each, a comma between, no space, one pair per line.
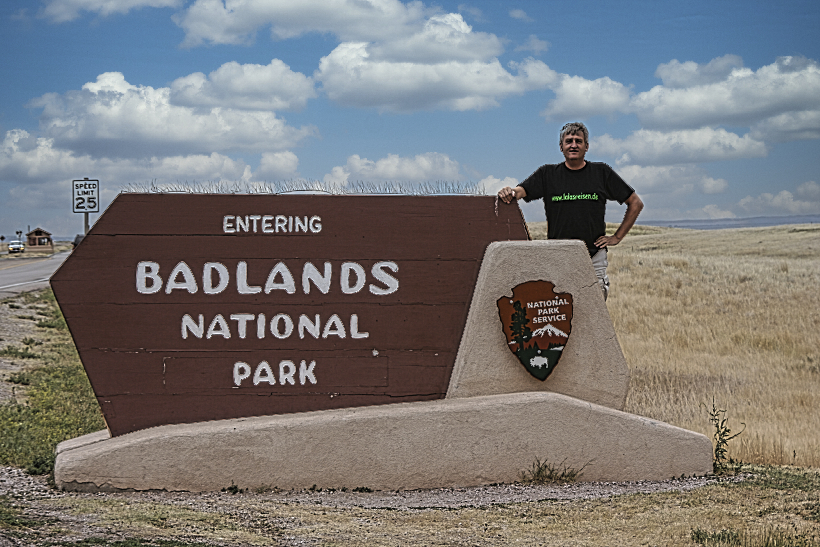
(508,194)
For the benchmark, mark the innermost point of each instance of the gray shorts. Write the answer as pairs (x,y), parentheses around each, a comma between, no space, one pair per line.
(599,262)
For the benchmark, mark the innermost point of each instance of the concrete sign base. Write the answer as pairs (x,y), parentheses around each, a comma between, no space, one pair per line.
(450,442)
(593,367)
(495,421)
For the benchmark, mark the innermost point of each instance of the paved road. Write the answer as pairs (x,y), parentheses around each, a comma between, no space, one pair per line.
(27,274)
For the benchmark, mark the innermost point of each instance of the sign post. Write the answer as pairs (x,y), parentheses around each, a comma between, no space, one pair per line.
(85,198)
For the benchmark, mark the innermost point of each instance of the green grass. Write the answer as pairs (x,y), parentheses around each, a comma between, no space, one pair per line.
(788,478)
(776,537)
(59,402)
(11,516)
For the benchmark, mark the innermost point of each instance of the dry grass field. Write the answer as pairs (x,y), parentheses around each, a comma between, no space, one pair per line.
(730,316)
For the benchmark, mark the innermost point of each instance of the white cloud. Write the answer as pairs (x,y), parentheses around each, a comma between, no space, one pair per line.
(675,74)
(781,203)
(431,167)
(443,38)
(351,77)
(36,161)
(237,22)
(743,97)
(709,185)
(390,48)
(534,44)
(111,117)
(779,102)
(674,179)
(577,97)
(806,201)
(392,56)
(31,159)
(521,15)
(492,185)
(42,176)
(250,87)
(646,147)
(790,126)
(809,191)
(277,165)
(61,11)
(714,212)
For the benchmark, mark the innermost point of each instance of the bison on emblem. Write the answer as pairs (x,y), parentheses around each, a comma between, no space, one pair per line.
(537,322)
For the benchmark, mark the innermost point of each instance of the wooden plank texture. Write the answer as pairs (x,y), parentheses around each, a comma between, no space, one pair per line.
(341,300)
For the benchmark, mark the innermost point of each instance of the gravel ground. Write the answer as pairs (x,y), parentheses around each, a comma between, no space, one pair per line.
(37,499)
(257,510)
(13,329)
(16,484)
(18,322)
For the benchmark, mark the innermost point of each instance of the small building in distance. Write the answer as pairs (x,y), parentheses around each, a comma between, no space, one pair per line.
(39,240)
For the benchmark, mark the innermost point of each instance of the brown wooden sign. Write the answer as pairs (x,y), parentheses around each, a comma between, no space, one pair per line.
(537,322)
(187,308)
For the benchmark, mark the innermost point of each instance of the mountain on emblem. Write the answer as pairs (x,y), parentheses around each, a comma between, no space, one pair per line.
(537,322)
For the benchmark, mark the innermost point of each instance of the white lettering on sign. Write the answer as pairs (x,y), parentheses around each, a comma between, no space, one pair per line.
(549,318)
(543,303)
(281,326)
(391,283)
(208,271)
(265,374)
(216,278)
(148,271)
(271,224)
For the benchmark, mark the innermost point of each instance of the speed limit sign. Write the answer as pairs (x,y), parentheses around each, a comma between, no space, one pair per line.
(86,194)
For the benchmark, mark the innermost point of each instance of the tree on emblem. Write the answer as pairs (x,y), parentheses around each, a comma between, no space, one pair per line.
(520,331)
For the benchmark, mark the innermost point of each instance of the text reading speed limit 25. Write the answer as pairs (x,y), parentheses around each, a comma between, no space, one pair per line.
(86,196)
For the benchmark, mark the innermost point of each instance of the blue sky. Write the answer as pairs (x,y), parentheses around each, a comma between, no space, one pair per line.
(708,109)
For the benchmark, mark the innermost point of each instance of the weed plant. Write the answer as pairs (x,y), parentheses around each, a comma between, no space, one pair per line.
(722,436)
(20,378)
(15,353)
(543,472)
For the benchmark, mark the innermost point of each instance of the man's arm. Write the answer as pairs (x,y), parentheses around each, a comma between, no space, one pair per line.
(508,194)
(634,205)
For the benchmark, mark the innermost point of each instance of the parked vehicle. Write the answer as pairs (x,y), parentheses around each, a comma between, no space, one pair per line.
(16,247)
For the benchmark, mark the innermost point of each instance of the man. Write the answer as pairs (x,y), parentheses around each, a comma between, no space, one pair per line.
(575,193)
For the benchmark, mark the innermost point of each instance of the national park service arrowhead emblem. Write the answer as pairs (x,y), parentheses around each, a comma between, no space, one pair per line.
(537,323)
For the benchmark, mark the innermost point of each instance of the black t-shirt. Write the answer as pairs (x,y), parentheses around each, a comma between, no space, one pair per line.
(575,200)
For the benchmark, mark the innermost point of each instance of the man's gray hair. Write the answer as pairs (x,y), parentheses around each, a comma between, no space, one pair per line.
(573,128)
